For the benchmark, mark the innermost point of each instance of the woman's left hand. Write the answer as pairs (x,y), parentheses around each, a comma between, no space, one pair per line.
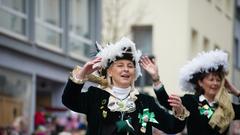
(150,66)
(179,110)
(231,88)
(176,103)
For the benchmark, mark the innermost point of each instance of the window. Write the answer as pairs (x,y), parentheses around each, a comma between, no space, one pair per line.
(205,44)
(216,47)
(79,30)
(48,26)
(209,1)
(229,8)
(194,36)
(13,16)
(142,36)
(237,54)
(228,5)
(194,46)
(219,5)
(237,10)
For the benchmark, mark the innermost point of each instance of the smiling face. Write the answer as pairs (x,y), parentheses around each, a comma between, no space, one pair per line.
(211,84)
(122,73)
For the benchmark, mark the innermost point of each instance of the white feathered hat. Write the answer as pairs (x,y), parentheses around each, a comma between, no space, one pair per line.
(123,49)
(202,63)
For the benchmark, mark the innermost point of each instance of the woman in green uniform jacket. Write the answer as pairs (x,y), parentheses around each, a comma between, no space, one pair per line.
(211,110)
(118,108)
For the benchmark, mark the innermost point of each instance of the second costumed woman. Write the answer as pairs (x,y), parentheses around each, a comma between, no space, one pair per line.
(210,107)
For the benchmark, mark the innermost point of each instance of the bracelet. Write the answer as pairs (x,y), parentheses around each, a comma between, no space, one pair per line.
(183,115)
(158,86)
(157,79)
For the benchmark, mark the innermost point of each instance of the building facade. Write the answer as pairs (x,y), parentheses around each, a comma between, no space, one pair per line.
(40,42)
(172,31)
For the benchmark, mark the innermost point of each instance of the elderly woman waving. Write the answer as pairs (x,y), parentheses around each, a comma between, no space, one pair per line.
(117,108)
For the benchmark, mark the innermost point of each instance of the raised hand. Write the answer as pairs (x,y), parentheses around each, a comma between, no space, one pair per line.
(88,68)
(150,66)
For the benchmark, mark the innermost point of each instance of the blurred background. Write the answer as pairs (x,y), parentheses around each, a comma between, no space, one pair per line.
(42,40)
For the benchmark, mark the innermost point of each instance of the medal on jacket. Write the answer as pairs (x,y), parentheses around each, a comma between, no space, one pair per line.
(104,101)
(206,110)
(145,118)
(104,114)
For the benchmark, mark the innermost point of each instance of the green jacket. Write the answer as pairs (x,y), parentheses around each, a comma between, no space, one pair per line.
(197,122)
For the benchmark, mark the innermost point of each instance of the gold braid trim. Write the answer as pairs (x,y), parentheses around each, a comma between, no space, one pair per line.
(92,78)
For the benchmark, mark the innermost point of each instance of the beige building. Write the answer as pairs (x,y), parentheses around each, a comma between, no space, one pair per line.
(173,31)
(236,47)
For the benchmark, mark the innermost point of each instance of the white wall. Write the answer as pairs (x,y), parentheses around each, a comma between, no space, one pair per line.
(213,20)
(172,22)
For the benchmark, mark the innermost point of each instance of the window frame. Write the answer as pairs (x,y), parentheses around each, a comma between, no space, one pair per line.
(145,80)
(19,14)
(80,38)
(55,28)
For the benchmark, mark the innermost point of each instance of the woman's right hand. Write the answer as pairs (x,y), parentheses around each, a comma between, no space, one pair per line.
(231,88)
(88,68)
